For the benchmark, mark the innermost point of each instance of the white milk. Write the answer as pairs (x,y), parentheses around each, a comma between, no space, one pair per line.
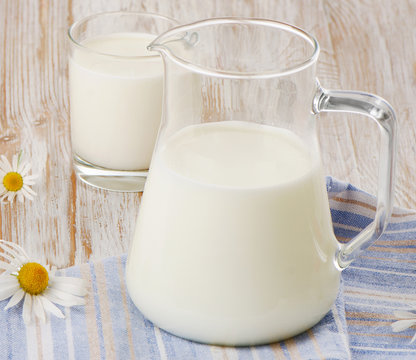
(234,240)
(115,102)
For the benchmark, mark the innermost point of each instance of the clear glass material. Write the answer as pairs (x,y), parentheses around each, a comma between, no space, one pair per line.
(115,97)
(234,241)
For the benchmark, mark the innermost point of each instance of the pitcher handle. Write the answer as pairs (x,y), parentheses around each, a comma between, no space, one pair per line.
(383,114)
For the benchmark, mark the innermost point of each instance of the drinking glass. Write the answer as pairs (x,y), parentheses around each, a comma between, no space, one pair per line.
(115,97)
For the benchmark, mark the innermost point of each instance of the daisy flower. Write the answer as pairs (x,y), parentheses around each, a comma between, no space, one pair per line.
(15,179)
(407,320)
(36,285)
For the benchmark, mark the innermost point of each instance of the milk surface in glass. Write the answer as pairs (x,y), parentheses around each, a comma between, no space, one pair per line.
(115,101)
(239,240)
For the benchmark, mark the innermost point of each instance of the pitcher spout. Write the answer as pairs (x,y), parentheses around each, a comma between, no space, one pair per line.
(174,43)
(155,46)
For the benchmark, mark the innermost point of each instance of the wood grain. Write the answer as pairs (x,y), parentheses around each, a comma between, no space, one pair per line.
(367,45)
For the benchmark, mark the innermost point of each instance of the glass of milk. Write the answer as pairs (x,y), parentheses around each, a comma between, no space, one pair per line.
(234,241)
(115,97)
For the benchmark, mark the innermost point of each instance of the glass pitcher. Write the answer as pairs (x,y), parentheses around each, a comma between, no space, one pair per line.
(234,242)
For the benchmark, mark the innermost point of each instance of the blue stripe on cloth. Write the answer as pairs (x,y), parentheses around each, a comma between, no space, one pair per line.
(264,352)
(335,186)
(17,331)
(397,263)
(143,335)
(118,319)
(59,337)
(13,333)
(370,353)
(377,280)
(402,226)
(349,218)
(285,351)
(344,233)
(408,235)
(305,346)
(5,344)
(78,321)
(177,348)
(244,354)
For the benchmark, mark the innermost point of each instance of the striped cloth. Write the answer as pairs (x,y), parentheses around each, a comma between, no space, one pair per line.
(357,327)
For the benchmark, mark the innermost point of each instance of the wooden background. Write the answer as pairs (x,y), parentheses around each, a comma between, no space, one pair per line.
(367,45)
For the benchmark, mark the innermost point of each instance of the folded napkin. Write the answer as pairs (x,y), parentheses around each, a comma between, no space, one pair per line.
(358,325)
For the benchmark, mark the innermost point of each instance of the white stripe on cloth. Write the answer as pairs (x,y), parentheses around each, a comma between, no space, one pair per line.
(47,341)
(32,342)
(69,335)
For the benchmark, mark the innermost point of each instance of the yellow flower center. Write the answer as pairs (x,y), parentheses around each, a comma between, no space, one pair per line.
(13,181)
(33,278)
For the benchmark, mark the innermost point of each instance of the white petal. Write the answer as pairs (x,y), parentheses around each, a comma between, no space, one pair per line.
(51,308)
(69,280)
(15,299)
(11,195)
(27,309)
(7,257)
(24,194)
(11,259)
(63,299)
(13,249)
(6,292)
(24,168)
(31,178)
(28,182)
(27,192)
(38,308)
(413,338)
(7,266)
(12,262)
(74,286)
(8,280)
(402,325)
(20,196)
(7,167)
(15,161)
(14,265)
(403,314)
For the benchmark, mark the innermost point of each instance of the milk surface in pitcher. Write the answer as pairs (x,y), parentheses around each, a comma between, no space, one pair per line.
(234,237)
(115,103)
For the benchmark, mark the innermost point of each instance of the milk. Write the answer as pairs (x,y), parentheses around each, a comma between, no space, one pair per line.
(115,101)
(234,241)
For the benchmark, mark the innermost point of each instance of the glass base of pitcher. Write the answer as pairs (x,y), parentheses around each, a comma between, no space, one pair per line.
(107,179)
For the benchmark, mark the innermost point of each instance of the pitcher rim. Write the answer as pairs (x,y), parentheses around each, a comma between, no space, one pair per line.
(186,28)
